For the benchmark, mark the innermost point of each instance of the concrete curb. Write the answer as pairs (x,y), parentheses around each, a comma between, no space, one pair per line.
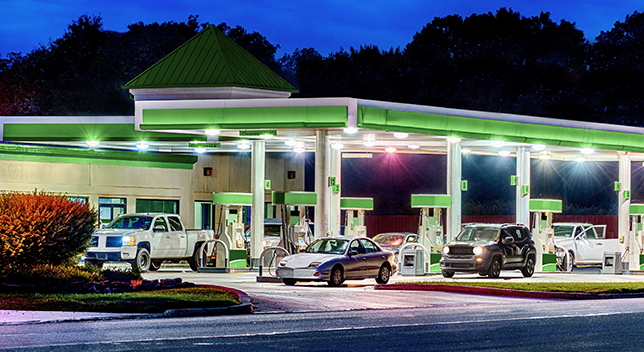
(506,292)
(244,307)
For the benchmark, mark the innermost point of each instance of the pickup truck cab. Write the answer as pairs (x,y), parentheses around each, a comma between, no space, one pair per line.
(584,242)
(146,240)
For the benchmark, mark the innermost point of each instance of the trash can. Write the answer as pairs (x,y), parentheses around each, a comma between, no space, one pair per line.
(612,263)
(413,263)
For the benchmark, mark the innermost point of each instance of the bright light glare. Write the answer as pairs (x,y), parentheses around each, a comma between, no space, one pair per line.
(337,145)
(299,149)
(200,150)
(401,135)
(504,152)
(580,160)
(350,130)
(266,136)
(243,144)
(390,150)
(93,143)
(465,151)
(538,147)
(212,132)
(587,151)
(544,157)
(498,143)
(453,139)
(142,144)
(413,146)
(290,142)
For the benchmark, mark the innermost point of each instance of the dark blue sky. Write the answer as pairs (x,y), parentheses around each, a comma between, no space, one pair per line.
(326,25)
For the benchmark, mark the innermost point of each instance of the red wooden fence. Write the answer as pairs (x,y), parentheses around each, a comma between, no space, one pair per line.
(409,223)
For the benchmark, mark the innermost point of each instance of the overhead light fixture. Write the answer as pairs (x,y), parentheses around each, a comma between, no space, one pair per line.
(390,149)
(401,135)
(544,156)
(337,145)
(498,143)
(200,150)
(538,147)
(587,151)
(290,142)
(300,147)
(413,146)
(504,152)
(453,139)
(142,144)
(465,151)
(93,144)
(212,132)
(266,136)
(243,144)
(165,150)
(369,140)
(350,130)
(580,160)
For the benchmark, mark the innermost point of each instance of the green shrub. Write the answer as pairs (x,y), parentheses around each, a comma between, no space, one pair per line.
(121,275)
(42,228)
(47,275)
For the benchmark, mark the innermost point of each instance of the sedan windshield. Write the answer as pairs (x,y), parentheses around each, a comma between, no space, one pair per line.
(131,222)
(475,234)
(389,240)
(328,245)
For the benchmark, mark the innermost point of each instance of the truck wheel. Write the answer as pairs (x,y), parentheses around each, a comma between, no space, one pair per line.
(155,265)
(194,260)
(495,268)
(528,269)
(142,260)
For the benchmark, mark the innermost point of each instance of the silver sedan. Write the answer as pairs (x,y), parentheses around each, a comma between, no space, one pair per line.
(336,259)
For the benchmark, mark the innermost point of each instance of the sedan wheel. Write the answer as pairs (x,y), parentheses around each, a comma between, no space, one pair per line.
(383,275)
(289,282)
(337,278)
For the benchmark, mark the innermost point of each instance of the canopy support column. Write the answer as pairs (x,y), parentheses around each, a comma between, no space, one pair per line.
(258,171)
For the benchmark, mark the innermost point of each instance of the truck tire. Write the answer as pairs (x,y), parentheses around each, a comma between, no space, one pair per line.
(194,260)
(142,260)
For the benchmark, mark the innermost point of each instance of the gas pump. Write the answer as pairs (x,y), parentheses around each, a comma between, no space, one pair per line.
(636,234)
(354,226)
(296,233)
(231,229)
(543,234)
(430,230)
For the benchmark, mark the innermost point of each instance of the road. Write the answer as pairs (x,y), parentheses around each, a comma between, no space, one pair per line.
(314,317)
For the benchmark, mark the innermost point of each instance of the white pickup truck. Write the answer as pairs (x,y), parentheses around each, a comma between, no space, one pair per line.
(146,240)
(584,242)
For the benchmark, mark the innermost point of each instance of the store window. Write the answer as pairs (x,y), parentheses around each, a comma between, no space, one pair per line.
(157,206)
(203,215)
(110,208)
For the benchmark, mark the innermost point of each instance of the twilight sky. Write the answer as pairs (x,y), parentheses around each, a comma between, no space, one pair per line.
(326,25)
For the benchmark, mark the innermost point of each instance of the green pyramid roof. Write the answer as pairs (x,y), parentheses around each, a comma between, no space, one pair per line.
(209,59)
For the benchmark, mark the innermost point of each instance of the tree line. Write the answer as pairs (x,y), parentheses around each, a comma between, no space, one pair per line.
(498,62)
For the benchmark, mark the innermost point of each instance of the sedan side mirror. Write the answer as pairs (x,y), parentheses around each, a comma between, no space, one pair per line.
(353,252)
(159,228)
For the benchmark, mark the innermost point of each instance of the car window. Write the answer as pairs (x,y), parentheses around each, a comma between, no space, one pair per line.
(160,221)
(389,240)
(563,231)
(516,233)
(272,230)
(355,246)
(131,222)
(478,233)
(369,247)
(175,223)
(590,234)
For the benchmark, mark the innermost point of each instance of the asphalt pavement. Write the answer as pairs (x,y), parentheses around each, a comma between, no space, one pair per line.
(247,282)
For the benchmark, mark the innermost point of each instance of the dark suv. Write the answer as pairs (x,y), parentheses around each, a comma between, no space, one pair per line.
(489,248)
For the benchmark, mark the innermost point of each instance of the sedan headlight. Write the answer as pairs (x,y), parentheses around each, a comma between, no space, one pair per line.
(129,240)
(314,265)
(446,250)
(478,250)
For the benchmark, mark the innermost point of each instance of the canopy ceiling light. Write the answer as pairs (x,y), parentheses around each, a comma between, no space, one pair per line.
(350,130)
(290,142)
(539,147)
(401,135)
(142,144)
(337,145)
(93,144)
(299,147)
(369,140)
(413,146)
(212,132)
(498,143)
(390,149)
(465,151)
(587,151)
(504,152)
(200,150)
(453,139)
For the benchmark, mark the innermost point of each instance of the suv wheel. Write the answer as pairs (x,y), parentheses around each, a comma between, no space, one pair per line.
(495,268)
(528,269)
(447,274)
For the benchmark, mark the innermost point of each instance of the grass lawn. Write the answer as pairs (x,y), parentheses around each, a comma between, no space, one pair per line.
(133,302)
(577,287)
